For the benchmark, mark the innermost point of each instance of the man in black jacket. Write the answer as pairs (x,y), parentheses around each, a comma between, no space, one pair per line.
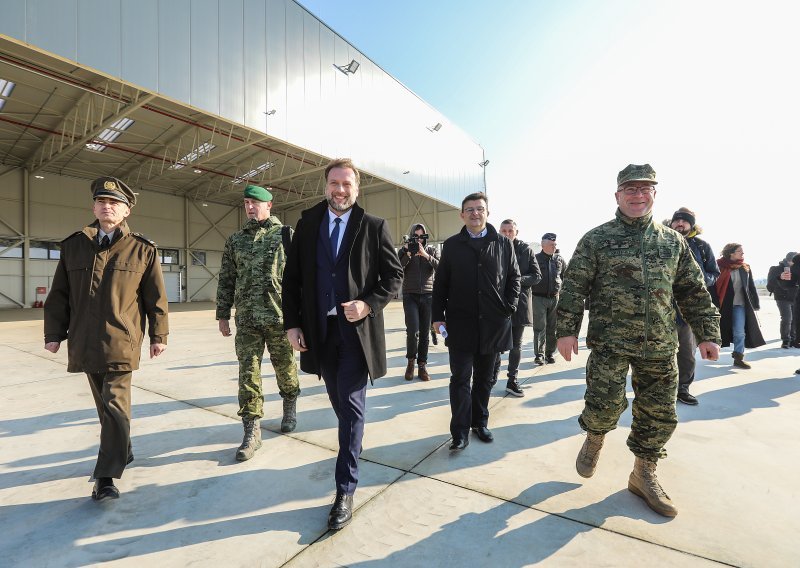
(474,296)
(684,221)
(545,299)
(341,272)
(530,275)
(782,284)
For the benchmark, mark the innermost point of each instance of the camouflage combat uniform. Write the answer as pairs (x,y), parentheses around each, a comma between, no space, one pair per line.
(630,270)
(250,278)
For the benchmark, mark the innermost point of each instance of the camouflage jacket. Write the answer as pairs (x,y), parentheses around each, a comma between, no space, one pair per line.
(631,270)
(251,274)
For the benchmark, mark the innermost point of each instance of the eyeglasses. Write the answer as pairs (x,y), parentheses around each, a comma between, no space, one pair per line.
(472,210)
(632,190)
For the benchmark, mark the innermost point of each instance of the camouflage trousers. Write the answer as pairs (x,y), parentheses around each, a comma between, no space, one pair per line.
(250,350)
(655,386)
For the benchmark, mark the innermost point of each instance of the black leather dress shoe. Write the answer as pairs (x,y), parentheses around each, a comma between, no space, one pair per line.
(104,488)
(459,444)
(549,359)
(484,434)
(686,398)
(341,513)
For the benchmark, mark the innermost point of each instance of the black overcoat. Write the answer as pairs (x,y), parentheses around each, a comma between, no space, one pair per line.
(531,274)
(752,332)
(374,276)
(476,292)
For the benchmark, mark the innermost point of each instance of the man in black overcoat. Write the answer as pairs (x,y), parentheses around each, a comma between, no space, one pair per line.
(475,294)
(341,272)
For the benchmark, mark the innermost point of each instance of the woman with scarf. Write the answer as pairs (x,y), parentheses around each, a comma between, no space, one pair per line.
(736,297)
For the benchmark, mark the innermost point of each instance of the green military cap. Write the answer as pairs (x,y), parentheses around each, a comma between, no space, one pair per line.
(113,188)
(258,193)
(633,172)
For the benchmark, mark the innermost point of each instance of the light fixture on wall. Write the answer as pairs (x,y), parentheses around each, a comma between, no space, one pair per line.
(39,177)
(270,112)
(484,163)
(350,68)
(406,172)
(435,128)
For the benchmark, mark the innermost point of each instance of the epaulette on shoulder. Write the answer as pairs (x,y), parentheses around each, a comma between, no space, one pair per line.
(141,237)
(76,233)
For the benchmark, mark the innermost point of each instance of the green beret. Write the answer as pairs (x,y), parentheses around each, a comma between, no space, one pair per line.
(633,172)
(258,193)
(113,188)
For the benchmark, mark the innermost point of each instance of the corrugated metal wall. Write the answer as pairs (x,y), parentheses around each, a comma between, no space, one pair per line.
(239,59)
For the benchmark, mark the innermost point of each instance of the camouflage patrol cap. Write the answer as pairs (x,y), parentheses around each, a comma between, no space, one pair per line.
(257,193)
(113,188)
(633,172)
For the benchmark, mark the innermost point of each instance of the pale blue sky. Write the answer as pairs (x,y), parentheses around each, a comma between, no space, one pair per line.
(563,94)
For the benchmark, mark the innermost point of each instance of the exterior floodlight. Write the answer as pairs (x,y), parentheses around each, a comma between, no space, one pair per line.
(350,68)
(270,112)
(406,172)
(484,163)
(436,127)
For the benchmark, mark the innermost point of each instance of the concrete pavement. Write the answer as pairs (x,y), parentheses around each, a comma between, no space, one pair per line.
(515,502)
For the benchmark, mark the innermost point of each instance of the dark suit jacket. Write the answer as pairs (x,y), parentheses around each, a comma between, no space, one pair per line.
(374,276)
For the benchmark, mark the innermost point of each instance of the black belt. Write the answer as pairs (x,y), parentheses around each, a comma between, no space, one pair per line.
(545,295)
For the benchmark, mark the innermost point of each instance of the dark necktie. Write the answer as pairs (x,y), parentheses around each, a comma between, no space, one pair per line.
(105,243)
(335,238)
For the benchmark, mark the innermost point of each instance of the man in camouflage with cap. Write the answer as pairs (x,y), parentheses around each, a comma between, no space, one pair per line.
(108,280)
(631,270)
(250,277)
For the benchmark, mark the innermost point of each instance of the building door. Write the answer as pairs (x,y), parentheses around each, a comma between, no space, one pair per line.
(172,282)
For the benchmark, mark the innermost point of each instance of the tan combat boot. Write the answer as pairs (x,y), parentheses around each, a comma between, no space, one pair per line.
(738,361)
(643,482)
(289,422)
(589,454)
(252,439)
(409,370)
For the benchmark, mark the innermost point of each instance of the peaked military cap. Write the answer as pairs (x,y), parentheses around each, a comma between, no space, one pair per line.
(633,172)
(549,237)
(113,188)
(257,193)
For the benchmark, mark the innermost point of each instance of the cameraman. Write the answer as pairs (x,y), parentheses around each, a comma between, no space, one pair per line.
(419,263)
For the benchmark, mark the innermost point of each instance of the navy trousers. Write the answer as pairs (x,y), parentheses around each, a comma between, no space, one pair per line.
(344,370)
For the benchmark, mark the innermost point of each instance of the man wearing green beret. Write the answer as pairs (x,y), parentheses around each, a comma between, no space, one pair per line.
(250,278)
(634,272)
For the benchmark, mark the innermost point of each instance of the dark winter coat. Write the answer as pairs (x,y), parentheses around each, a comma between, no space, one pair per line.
(705,258)
(100,298)
(418,272)
(374,276)
(531,275)
(476,292)
(753,337)
(552,269)
(782,289)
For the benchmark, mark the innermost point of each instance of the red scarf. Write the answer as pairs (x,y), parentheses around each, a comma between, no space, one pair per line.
(725,267)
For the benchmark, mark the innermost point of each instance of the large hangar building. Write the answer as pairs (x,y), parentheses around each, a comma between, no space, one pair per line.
(187,100)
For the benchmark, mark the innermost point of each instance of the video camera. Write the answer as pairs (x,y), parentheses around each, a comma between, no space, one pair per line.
(413,242)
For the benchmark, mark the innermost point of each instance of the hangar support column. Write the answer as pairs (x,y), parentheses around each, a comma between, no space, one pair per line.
(26,243)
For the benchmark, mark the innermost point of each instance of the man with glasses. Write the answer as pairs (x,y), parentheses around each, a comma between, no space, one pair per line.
(632,270)
(475,294)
